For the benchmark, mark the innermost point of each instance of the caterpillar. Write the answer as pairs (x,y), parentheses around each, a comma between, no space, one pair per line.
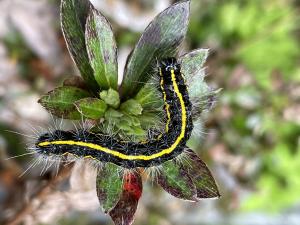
(153,152)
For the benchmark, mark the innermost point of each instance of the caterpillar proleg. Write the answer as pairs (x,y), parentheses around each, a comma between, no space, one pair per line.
(103,148)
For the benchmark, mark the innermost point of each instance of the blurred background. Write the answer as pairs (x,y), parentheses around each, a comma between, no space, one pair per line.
(252,137)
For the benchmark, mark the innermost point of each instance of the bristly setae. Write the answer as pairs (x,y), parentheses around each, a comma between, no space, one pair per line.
(104,148)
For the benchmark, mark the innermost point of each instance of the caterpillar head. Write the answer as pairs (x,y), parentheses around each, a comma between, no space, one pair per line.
(169,64)
(166,67)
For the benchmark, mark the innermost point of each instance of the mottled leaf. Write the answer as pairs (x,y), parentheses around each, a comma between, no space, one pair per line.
(75,81)
(60,101)
(109,186)
(200,175)
(174,179)
(192,63)
(149,97)
(111,97)
(149,120)
(132,107)
(113,113)
(192,68)
(112,118)
(204,101)
(131,120)
(137,132)
(131,126)
(102,50)
(161,38)
(92,108)
(201,95)
(123,213)
(197,86)
(73,17)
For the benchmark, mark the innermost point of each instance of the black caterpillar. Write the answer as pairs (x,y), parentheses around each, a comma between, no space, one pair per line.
(133,154)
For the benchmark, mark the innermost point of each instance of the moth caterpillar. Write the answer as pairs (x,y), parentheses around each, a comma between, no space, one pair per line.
(104,148)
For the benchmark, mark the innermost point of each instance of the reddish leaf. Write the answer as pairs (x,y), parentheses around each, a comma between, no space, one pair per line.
(175,180)
(201,176)
(123,213)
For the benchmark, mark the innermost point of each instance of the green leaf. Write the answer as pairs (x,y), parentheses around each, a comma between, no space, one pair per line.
(112,119)
(131,120)
(137,131)
(109,186)
(201,176)
(132,107)
(149,97)
(123,213)
(130,125)
(92,108)
(60,101)
(124,125)
(73,17)
(149,120)
(161,38)
(200,94)
(111,97)
(113,113)
(174,179)
(192,63)
(192,68)
(102,50)
(197,87)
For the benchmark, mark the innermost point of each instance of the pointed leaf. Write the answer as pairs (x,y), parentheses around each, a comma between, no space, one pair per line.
(73,17)
(123,213)
(200,94)
(161,38)
(192,63)
(92,108)
(132,107)
(60,101)
(174,180)
(201,176)
(102,50)
(109,186)
(111,97)
(191,68)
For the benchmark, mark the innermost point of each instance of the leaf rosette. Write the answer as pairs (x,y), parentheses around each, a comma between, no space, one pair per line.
(134,106)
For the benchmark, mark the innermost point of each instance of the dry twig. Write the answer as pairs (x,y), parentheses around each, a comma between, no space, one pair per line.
(41,195)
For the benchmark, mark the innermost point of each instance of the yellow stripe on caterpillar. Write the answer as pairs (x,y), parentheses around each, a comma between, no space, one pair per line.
(134,157)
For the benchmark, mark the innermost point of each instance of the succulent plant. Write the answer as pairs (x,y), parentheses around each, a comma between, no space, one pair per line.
(130,109)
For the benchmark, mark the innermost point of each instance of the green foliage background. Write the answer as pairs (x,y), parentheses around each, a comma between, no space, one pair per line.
(262,37)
